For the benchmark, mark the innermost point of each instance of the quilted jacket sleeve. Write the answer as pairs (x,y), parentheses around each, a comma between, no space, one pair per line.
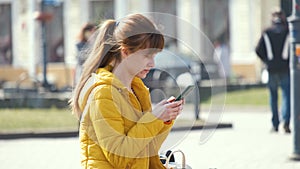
(121,147)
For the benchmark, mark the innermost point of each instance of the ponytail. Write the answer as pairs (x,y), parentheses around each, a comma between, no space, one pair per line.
(103,51)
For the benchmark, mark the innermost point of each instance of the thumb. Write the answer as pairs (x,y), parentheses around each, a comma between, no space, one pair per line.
(163,102)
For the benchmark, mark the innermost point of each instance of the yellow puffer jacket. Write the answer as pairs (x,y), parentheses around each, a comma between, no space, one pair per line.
(117,129)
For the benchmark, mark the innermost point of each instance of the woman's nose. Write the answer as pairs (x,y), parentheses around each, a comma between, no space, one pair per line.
(151,63)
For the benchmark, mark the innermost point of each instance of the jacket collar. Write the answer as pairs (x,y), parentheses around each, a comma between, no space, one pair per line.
(105,76)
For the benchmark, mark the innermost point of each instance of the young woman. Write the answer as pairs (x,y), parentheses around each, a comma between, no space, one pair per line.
(119,129)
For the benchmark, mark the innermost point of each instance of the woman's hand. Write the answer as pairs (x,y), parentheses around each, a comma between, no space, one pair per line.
(168,110)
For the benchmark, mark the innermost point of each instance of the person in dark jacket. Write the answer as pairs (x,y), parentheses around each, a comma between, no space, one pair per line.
(85,33)
(272,49)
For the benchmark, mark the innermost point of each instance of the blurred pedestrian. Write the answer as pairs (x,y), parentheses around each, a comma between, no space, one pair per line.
(222,57)
(85,33)
(273,50)
(119,128)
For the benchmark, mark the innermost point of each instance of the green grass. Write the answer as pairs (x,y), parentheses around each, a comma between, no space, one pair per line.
(22,120)
(253,97)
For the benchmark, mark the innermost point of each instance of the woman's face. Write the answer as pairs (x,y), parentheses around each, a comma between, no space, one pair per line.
(140,62)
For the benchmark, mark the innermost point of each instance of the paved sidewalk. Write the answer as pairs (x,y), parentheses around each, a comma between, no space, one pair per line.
(247,145)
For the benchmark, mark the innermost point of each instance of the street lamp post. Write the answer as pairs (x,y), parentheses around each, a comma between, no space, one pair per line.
(45,81)
(294,25)
(44,17)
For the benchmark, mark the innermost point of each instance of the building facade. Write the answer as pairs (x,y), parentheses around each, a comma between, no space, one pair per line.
(238,22)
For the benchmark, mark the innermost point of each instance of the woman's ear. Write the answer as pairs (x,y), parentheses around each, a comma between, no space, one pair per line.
(124,53)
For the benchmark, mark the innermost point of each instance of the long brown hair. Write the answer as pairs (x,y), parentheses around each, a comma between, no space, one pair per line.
(134,32)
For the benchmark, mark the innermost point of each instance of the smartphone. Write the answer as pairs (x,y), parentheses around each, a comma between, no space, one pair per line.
(185,92)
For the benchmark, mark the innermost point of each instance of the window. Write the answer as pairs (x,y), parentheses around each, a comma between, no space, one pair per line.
(5,35)
(101,10)
(286,6)
(55,33)
(169,23)
(216,23)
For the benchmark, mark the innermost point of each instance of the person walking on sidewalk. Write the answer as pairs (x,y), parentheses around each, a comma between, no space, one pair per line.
(272,49)
(85,33)
(119,128)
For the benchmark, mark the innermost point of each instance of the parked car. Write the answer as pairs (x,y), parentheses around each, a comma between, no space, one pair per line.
(174,71)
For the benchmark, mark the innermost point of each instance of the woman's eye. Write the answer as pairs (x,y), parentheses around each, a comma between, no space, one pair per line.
(150,56)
